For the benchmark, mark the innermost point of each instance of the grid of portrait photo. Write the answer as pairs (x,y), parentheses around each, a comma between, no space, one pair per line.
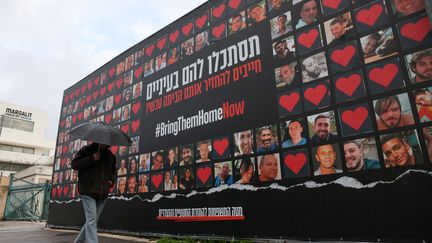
(353,84)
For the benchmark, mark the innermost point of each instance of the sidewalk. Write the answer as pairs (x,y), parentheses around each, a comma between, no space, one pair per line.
(35,232)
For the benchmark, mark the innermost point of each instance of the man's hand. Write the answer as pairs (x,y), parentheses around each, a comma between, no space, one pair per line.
(96,156)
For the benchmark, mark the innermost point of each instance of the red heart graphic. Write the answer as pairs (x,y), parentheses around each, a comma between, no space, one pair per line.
(112,71)
(88,99)
(315,95)
(64,149)
(66,99)
(348,85)
(295,162)
(89,86)
(307,39)
(234,3)
(384,76)
(356,118)
(218,11)
(218,30)
(173,36)
(136,107)
(96,80)
(156,180)
(82,102)
(135,125)
(62,123)
(108,118)
(371,15)
(334,4)
(201,21)
(138,72)
(80,116)
(65,190)
(114,149)
(344,56)
(117,98)
(204,174)
(53,192)
(161,43)
(71,96)
(83,89)
(125,128)
(119,82)
(186,29)
(416,31)
(74,117)
(289,101)
(59,191)
(149,50)
(77,92)
(111,86)
(102,91)
(95,95)
(220,145)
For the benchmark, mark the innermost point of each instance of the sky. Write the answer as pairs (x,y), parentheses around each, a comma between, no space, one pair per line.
(47,46)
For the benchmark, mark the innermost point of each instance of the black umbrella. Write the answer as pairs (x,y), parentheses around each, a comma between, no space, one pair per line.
(101,133)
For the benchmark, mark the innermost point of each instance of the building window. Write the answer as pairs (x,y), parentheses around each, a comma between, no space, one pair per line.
(16,149)
(17,124)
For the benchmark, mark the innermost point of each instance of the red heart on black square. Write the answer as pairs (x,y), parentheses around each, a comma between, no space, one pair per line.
(204,174)
(289,102)
(384,76)
(333,4)
(111,72)
(218,30)
(102,91)
(117,98)
(111,86)
(136,107)
(344,56)
(149,50)
(220,145)
(88,99)
(371,15)
(416,31)
(307,39)
(187,29)
(96,81)
(108,118)
(295,162)
(173,36)
(199,22)
(135,125)
(348,85)
(234,4)
(315,95)
(89,86)
(218,11)
(138,72)
(119,82)
(356,118)
(161,43)
(156,180)
(83,88)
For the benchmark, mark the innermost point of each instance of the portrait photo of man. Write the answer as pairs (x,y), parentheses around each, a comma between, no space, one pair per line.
(223,173)
(378,45)
(339,29)
(281,25)
(186,155)
(276,6)
(121,185)
(393,111)
(358,155)
(267,139)
(420,66)
(284,49)
(243,143)
(132,184)
(400,149)
(269,168)
(201,40)
(308,12)
(314,67)
(322,127)
(327,160)
(158,160)
(203,151)
(423,100)
(285,75)
(293,133)
(236,23)
(257,13)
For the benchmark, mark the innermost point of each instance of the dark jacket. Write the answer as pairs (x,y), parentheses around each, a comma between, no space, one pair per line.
(94,176)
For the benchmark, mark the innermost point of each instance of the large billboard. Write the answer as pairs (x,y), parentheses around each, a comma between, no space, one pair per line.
(280,119)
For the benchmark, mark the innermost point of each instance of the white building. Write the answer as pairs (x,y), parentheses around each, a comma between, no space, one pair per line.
(22,139)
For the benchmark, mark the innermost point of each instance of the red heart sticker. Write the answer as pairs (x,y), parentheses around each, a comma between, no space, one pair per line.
(114,149)
(74,117)
(89,86)
(66,99)
(218,30)
(234,3)
(416,31)
(315,95)
(136,107)
(71,96)
(384,76)
(348,85)
(356,118)
(344,56)
(220,145)
(138,72)
(371,15)
(186,29)
(80,116)
(82,103)
(96,80)
(135,125)
(111,72)
(289,101)
(307,39)
(119,82)
(218,11)
(204,174)
(65,149)
(125,128)
(117,98)
(88,99)
(111,86)
(83,88)
(102,91)
(77,92)
(59,191)
(161,43)
(334,4)
(173,36)
(108,118)
(156,180)
(65,190)
(95,95)
(201,21)
(295,162)
(62,123)
(149,50)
